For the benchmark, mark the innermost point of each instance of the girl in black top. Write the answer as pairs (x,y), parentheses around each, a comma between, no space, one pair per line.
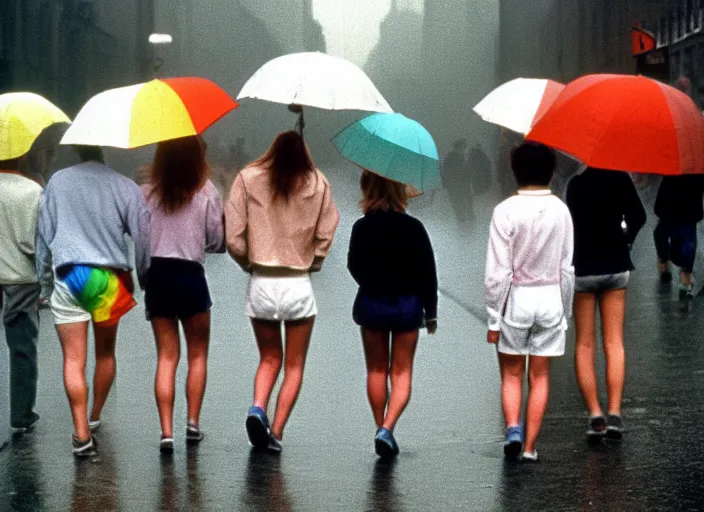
(392,260)
(607,215)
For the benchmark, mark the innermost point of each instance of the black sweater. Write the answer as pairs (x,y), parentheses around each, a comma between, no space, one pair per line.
(391,255)
(599,202)
(679,199)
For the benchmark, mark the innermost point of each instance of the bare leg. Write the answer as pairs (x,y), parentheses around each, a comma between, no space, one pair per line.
(585,352)
(74,344)
(271,354)
(297,341)
(376,355)
(512,369)
(105,366)
(197,331)
(539,376)
(613,308)
(403,350)
(168,348)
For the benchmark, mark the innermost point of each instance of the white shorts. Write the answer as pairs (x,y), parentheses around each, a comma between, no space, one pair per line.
(64,306)
(534,322)
(280,299)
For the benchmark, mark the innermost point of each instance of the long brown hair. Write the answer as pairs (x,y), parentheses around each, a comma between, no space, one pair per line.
(288,161)
(178,172)
(379,193)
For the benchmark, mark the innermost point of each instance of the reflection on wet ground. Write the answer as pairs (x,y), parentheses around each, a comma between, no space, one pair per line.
(450,436)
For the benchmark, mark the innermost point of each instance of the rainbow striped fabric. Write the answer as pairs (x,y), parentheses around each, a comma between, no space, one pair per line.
(101,292)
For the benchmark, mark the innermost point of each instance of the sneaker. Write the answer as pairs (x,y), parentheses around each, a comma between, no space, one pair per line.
(257,425)
(166,446)
(274,445)
(94,425)
(686,292)
(530,456)
(84,448)
(385,444)
(596,429)
(666,277)
(193,434)
(514,442)
(614,427)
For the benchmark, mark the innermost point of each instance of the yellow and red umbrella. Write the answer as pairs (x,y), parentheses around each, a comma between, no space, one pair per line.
(23,117)
(143,114)
(625,123)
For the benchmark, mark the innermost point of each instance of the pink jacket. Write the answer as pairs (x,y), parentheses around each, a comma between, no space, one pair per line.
(287,234)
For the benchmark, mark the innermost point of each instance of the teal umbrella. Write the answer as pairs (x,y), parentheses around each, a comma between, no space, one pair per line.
(392,146)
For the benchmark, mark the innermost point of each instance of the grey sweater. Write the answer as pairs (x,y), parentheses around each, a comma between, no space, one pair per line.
(84,215)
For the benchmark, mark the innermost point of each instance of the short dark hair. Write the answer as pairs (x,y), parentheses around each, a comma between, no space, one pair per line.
(90,153)
(533,164)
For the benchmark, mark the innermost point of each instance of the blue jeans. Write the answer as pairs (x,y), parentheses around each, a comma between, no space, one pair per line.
(677,243)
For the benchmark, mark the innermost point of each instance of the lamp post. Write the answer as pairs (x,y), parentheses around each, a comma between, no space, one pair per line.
(155,40)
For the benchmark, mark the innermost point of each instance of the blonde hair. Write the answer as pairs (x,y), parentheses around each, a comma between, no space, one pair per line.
(379,193)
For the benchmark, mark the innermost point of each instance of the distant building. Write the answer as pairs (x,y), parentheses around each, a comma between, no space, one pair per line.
(69,50)
(562,39)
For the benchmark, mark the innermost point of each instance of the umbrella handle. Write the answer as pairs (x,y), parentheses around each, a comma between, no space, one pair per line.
(300,123)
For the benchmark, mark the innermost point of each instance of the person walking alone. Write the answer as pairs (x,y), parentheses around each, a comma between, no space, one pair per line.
(82,254)
(392,260)
(607,215)
(19,289)
(187,221)
(280,224)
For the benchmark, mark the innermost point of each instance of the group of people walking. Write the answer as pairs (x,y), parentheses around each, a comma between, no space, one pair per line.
(68,243)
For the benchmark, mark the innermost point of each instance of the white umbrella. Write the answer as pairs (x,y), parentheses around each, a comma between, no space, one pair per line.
(315,79)
(518,104)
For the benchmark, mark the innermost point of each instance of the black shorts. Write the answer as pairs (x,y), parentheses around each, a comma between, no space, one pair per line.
(397,314)
(176,289)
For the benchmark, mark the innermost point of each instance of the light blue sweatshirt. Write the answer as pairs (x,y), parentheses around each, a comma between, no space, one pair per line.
(84,215)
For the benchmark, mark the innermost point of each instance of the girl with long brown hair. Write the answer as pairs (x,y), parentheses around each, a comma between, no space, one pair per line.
(281,220)
(186,223)
(392,260)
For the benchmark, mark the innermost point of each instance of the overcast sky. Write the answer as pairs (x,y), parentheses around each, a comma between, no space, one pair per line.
(352,26)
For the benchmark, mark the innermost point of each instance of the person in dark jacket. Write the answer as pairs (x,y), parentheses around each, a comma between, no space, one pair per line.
(607,215)
(678,206)
(392,260)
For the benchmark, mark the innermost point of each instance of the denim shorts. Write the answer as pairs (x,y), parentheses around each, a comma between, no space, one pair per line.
(600,284)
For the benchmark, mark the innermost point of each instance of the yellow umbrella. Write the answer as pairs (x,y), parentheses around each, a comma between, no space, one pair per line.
(23,117)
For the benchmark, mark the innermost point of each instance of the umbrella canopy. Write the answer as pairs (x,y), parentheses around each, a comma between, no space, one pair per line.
(143,114)
(625,123)
(23,117)
(392,146)
(315,79)
(518,104)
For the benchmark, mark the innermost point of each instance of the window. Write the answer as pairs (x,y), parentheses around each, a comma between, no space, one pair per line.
(696,15)
(674,27)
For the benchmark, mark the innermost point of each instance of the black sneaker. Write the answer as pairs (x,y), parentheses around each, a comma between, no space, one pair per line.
(166,446)
(614,428)
(597,429)
(274,445)
(193,434)
(257,426)
(666,277)
(84,448)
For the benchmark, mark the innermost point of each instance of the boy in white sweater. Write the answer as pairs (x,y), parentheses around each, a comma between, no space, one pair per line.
(529,285)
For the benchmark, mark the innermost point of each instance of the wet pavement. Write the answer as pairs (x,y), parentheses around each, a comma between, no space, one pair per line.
(450,437)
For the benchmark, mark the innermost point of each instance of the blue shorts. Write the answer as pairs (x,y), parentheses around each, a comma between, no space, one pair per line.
(176,289)
(396,314)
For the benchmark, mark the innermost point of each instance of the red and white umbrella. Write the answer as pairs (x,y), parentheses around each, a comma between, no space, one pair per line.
(518,104)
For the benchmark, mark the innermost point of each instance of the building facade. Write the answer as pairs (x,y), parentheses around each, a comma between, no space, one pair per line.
(563,39)
(68,50)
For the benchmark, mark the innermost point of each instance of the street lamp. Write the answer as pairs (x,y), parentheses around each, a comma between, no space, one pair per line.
(155,40)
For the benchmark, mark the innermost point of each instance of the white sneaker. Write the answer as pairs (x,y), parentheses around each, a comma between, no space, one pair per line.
(530,456)
(94,425)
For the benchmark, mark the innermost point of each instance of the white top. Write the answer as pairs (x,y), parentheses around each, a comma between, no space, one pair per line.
(19,209)
(192,231)
(530,245)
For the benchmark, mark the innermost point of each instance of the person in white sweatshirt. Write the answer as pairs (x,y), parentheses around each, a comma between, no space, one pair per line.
(19,289)
(529,287)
